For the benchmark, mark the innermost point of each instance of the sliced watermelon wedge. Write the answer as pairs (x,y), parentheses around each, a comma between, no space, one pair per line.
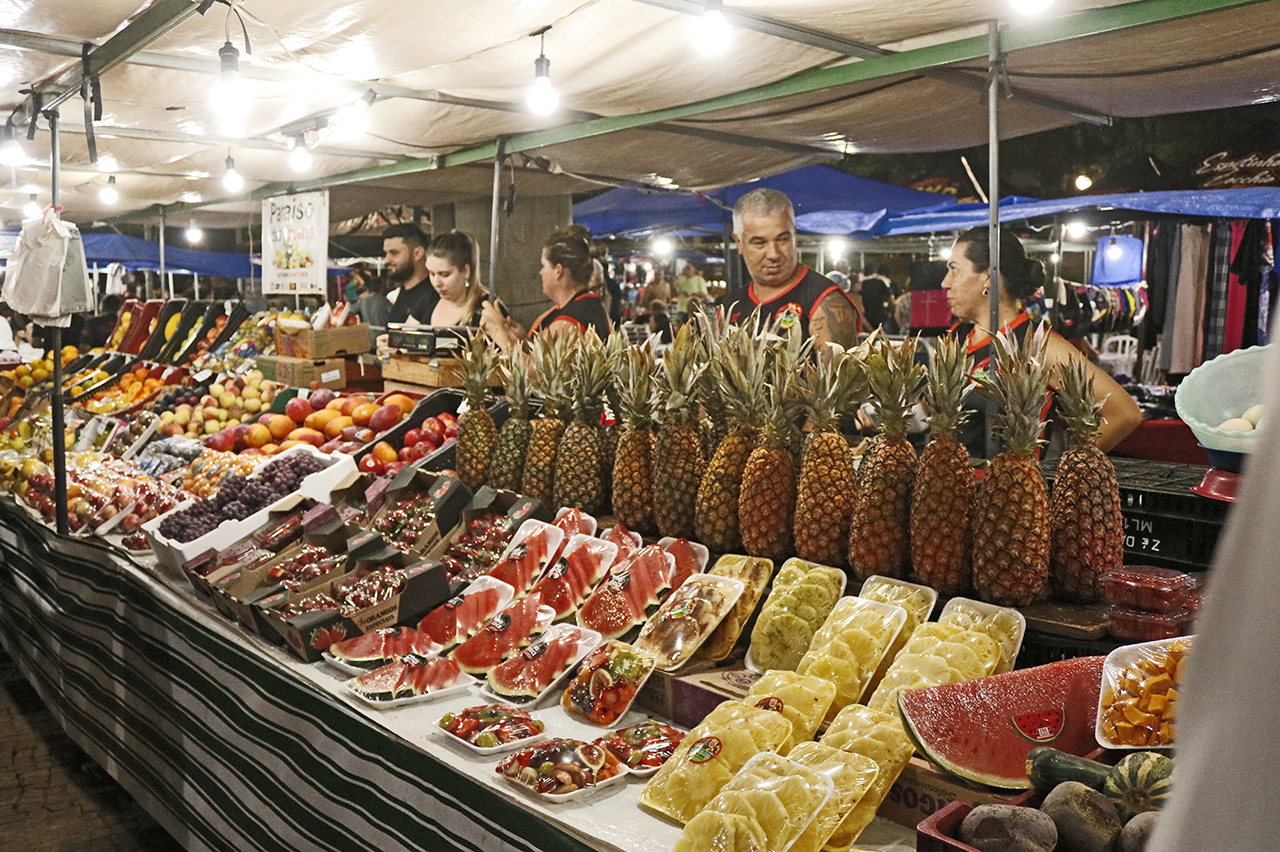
(983,729)
(623,599)
(407,677)
(462,615)
(525,676)
(575,522)
(690,558)
(627,541)
(508,632)
(371,650)
(567,581)
(527,556)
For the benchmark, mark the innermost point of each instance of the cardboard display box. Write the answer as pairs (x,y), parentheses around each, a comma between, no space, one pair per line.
(301,372)
(516,507)
(312,343)
(923,789)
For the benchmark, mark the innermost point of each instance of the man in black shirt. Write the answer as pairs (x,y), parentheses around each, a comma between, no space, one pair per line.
(878,293)
(405,254)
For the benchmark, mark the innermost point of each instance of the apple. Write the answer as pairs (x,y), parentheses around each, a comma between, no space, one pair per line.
(405,454)
(447,417)
(393,468)
(281,425)
(385,417)
(433,429)
(322,398)
(412,437)
(364,436)
(309,436)
(349,433)
(370,464)
(298,409)
(451,431)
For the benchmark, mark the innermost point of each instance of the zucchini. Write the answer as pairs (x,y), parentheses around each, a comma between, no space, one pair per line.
(1048,767)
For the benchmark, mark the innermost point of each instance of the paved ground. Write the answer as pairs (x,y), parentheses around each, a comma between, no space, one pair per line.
(53,797)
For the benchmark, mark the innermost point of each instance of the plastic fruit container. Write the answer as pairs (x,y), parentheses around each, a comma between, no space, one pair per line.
(1144,587)
(1143,626)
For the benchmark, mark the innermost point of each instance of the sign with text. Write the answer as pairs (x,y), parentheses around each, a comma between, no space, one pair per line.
(1233,169)
(295,244)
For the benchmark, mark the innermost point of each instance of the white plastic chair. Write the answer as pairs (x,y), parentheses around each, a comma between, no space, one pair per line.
(1119,352)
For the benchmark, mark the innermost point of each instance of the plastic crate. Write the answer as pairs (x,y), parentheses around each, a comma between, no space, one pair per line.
(1039,648)
(1166,523)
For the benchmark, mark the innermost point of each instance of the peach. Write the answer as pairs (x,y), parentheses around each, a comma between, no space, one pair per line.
(310,436)
(281,425)
(334,427)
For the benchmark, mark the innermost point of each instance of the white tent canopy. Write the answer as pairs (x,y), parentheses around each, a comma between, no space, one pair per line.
(801,81)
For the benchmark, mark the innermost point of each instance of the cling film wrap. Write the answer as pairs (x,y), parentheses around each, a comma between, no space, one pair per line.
(709,757)
(688,616)
(802,597)
(803,700)
(1002,624)
(849,646)
(918,601)
(936,654)
(716,832)
(755,573)
(781,796)
(860,730)
(851,776)
(1139,701)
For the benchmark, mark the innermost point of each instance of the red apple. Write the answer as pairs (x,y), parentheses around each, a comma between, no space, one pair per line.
(321,398)
(433,429)
(451,431)
(370,464)
(349,433)
(364,435)
(447,417)
(412,437)
(405,454)
(423,448)
(393,468)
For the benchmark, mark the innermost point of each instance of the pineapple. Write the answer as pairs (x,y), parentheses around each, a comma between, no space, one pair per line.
(712,329)
(506,467)
(767,502)
(615,348)
(1011,525)
(880,528)
(1086,529)
(632,484)
(551,382)
(677,454)
(738,367)
(579,477)
(944,488)
(477,436)
(824,499)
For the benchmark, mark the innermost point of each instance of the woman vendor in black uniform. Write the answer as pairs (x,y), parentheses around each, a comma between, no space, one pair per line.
(968,285)
(566,280)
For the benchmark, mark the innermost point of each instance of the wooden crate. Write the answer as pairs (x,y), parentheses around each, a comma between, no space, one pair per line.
(427,371)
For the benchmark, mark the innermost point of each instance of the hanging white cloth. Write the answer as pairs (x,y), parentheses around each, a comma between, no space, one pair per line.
(47,278)
(115,279)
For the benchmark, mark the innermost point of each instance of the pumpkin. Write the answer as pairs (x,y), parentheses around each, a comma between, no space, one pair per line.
(1140,782)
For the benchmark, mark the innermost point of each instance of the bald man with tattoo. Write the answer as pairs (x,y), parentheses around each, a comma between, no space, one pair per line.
(782,288)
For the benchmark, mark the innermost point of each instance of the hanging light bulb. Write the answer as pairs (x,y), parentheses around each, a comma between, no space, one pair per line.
(711,30)
(232,180)
(1054,258)
(194,234)
(542,98)
(11,153)
(1030,7)
(230,94)
(108,193)
(354,116)
(31,209)
(945,253)
(299,156)
(662,246)
(1076,229)
(836,247)
(1083,182)
(1114,249)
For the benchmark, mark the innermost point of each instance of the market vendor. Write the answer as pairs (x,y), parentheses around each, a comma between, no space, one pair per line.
(454,265)
(566,272)
(782,288)
(404,250)
(968,284)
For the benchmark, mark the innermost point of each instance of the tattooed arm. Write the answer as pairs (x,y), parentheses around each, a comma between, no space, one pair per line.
(835,320)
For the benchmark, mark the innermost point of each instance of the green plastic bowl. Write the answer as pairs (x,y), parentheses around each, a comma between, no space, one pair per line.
(1219,390)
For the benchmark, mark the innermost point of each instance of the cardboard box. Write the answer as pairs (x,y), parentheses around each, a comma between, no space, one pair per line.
(688,696)
(310,633)
(923,789)
(301,372)
(312,343)
(448,495)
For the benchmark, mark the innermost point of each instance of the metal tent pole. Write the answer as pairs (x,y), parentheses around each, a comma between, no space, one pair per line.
(493,218)
(55,343)
(994,63)
(162,264)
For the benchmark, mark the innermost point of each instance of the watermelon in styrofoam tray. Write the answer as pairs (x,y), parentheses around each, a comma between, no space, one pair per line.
(458,618)
(982,730)
(574,521)
(631,587)
(628,542)
(567,582)
(505,634)
(409,679)
(691,558)
(535,671)
(369,651)
(534,546)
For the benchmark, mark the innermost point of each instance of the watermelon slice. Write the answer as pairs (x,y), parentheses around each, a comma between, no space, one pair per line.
(461,616)
(983,729)
(688,560)
(574,522)
(527,557)
(508,632)
(525,676)
(371,650)
(627,541)
(623,599)
(567,581)
(410,676)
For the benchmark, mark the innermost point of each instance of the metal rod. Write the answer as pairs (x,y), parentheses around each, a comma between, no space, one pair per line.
(162,264)
(993,188)
(493,219)
(55,343)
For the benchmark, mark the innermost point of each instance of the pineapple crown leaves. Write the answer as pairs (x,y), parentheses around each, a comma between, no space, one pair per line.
(515,378)
(949,385)
(739,370)
(832,386)
(550,360)
(1022,383)
(1080,408)
(784,403)
(478,360)
(634,378)
(712,331)
(678,385)
(591,376)
(615,347)
(896,382)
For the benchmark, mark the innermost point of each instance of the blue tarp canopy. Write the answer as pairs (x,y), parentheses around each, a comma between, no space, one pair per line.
(818,193)
(1249,203)
(136,253)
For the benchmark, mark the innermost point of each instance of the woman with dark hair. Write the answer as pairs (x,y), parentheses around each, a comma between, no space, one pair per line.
(968,287)
(566,271)
(454,266)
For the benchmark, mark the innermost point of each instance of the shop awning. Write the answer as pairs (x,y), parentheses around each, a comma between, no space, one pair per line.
(135,253)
